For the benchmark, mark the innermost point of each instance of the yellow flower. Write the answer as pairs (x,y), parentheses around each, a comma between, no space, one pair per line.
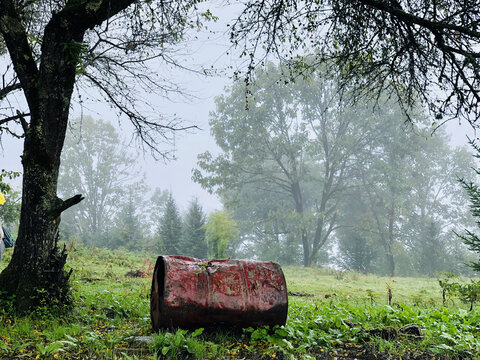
(2,199)
(55,356)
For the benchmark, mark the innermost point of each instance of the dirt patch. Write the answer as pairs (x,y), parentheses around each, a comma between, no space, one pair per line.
(135,273)
(302,294)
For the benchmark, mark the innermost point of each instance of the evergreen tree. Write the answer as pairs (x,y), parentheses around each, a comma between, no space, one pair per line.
(356,253)
(471,239)
(194,243)
(431,257)
(170,228)
(128,231)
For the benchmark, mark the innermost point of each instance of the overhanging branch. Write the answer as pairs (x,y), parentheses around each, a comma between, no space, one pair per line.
(413,19)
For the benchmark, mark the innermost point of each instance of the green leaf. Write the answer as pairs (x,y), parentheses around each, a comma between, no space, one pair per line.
(197,332)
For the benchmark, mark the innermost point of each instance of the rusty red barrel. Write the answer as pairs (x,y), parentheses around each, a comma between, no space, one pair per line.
(191,293)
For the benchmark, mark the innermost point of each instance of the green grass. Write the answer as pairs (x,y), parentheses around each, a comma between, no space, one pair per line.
(355,286)
(344,310)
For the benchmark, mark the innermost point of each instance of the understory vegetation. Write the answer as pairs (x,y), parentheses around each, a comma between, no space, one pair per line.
(332,315)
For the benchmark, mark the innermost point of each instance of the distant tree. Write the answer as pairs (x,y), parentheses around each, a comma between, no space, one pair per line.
(96,164)
(157,205)
(129,230)
(386,179)
(154,211)
(170,229)
(438,204)
(357,243)
(290,138)
(432,255)
(469,237)
(267,226)
(220,231)
(406,183)
(356,253)
(194,242)
(415,50)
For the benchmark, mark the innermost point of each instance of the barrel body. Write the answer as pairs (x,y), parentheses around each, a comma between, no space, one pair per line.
(191,293)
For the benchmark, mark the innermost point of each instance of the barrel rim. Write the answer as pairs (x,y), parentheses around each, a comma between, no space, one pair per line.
(158,285)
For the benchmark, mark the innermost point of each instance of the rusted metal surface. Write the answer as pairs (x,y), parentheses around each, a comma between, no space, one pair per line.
(191,293)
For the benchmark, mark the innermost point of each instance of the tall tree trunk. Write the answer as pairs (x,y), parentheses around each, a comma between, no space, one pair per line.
(391,262)
(297,196)
(36,268)
(36,264)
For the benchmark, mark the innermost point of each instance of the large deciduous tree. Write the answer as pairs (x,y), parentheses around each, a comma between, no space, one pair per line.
(403,201)
(291,137)
(129,230)
(220,232)
(424,49)
(53,46)
(96,164)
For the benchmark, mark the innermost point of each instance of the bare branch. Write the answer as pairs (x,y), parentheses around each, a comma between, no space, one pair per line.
(15,117)
(146,130)
(16,39)
(9,89)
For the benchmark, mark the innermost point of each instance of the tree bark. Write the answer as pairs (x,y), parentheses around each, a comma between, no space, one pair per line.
(37,266)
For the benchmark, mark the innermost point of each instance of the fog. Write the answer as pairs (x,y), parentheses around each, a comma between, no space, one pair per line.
(252,235)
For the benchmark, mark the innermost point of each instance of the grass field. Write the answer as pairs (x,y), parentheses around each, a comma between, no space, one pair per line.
(332,315)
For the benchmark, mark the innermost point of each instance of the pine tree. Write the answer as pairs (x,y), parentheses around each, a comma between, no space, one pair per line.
(471,239)
(128,231)
(431,257)
(194,243)
(170,228)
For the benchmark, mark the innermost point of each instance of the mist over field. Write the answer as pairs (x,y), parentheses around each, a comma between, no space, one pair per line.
(306,173)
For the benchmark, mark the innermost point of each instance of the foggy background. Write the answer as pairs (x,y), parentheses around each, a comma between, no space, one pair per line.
(207,51)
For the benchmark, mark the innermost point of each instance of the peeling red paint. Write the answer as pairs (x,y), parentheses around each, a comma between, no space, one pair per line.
(191,293)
